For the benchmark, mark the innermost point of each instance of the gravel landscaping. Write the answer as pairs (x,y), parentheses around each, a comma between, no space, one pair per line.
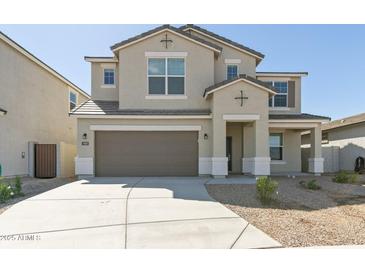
(34,186)
(299,217)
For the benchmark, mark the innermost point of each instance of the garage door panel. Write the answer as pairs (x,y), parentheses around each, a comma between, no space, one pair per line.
(146,153)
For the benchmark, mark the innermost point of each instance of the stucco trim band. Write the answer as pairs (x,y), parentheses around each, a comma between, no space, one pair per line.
(143,128)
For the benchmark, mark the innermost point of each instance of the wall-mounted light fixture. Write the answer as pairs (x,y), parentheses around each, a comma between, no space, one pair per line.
(205,136)
(84,136)
(3,112)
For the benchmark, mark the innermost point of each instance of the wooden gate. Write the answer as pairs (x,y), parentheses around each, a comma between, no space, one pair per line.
(45,160)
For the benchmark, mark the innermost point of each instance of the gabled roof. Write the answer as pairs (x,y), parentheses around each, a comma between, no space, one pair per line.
(351,120)
(96,107)
(224,40)
(27,54)
(163,28)
(242,77)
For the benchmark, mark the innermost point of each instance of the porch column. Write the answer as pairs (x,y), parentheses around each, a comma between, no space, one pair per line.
(261,159)
(315,162)
(219,159)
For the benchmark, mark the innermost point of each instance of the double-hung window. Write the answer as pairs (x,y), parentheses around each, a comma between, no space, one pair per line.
(276,146)
(281,99)
(166,76)
(72,100)
(109,75)
(232,71)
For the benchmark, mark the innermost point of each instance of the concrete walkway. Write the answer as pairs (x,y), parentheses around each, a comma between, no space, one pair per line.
(128,213)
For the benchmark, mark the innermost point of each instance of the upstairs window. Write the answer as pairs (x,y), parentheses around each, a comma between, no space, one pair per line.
(281,99)
(232,71)
(166,76)
(276,146)
(72,100)
(109,76)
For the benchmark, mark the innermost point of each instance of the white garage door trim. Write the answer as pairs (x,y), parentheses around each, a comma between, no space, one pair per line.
(143,128)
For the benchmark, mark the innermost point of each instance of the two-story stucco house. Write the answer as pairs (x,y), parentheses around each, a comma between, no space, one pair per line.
(185,101)
(34,104)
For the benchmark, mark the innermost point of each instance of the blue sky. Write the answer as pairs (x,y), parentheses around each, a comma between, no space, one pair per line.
(334,55)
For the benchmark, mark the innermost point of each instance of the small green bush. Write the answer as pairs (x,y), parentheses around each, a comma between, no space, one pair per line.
(265,188)
(5,192)
(18,187)
(312,184)
(345,177)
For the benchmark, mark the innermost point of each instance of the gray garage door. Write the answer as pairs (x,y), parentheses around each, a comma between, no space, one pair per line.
(146,153)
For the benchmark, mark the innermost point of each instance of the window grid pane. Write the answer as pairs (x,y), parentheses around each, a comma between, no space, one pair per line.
(109,76)
(166,76)
(73,97)
(175,66)
(276,146)
(156,85)
(280,100)
(176,85)
(232,71)
(156,66)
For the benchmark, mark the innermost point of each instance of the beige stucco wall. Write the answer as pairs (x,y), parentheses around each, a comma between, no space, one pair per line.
(205,146)
(199,64)
(98,90)
(247,65)
(291,152)
(298,93)
(37,105)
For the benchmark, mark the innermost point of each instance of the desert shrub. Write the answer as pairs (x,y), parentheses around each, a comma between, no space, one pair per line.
(17,188)
(312,184)
(345,177)
(266,188)
(5,192)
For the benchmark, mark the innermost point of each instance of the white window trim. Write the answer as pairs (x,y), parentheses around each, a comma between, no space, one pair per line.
(167,95)
(69,98)
(103,85)
(232,61)
(273,107)
(232,64)
(282,146)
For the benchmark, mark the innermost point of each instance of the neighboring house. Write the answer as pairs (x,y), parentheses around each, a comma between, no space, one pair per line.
(185,101)
(34,108)
(343,141)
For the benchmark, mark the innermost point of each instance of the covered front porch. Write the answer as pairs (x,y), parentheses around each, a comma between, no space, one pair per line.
(254,146)
(240,145)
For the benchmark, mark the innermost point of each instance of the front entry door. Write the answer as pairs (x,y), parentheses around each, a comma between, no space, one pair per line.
(229,152)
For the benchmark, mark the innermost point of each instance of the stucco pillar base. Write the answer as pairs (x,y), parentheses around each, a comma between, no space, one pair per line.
(256,165)
(84,166)
(219,166)
(315,165)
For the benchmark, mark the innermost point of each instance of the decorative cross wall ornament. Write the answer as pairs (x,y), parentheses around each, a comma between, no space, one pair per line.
(241,98)
(166,41)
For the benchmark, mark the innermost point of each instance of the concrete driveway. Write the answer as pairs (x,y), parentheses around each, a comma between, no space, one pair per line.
(128,213)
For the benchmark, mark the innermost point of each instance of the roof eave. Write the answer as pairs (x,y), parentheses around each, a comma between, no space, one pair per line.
(116,48)
(282,74)
(271,92)
(259,58)
(39,62)
(100,59)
